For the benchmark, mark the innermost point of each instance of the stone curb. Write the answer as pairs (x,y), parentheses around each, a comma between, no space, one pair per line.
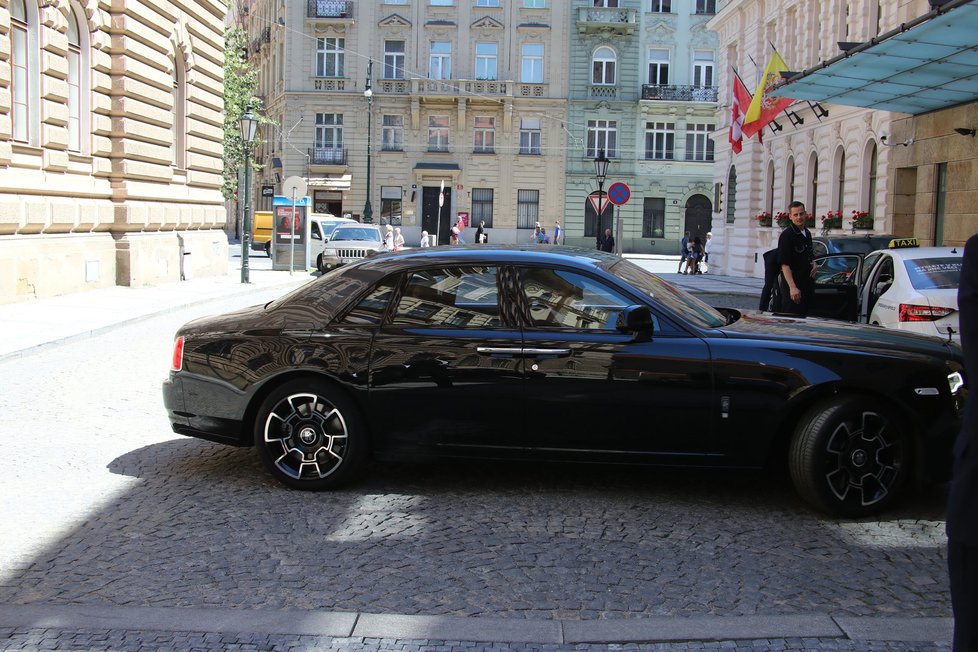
(454,628)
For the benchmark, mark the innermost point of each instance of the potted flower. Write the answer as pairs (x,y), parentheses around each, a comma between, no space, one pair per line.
(782,219)
(832,220)
(861,220)
(763,219)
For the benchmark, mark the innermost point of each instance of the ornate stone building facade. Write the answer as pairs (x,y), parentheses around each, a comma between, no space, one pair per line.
(111,135)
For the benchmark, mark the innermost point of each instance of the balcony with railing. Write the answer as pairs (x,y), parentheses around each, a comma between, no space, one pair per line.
(327,156)
(329,11)
(617,19)
(673,93)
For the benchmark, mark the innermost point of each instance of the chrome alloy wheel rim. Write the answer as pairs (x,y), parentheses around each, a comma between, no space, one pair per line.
(863,459)
(306,436)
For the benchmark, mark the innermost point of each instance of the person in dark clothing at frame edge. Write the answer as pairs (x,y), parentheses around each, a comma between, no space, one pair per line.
(962,509)
(606,242)
(797,266)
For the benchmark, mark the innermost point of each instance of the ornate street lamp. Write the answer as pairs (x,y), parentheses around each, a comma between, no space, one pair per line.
(248,123)
(368,92)
(601,173)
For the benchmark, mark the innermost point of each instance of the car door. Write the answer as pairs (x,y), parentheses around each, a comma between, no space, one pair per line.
(594,390)
(837,289)
(445,367)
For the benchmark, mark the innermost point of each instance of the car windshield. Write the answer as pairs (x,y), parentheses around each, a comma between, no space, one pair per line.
(668,295)
(329,227)
(355,233)
(858,245)
(934,273)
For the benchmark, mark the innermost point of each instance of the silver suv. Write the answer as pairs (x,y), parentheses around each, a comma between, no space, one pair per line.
(349,243)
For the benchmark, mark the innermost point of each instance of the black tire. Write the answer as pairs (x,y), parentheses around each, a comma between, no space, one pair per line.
(319,264)
(850,457)
(310,436)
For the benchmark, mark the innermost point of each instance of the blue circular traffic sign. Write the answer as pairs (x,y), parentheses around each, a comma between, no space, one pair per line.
(619,193)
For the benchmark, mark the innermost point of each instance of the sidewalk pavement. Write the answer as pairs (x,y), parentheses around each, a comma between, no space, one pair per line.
(28,325)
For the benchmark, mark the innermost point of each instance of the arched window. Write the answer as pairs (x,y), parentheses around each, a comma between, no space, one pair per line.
(24,71)
(179,111)
(770,187)
(789,183)
(840,185)
(78,71)
(869,201)
(603,66)
(731,194)
(813,184)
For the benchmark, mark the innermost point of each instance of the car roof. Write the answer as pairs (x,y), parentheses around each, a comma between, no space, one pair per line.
(913,253)
(524,253)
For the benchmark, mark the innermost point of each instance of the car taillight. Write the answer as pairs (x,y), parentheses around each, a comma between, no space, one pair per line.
(912,312)
(177,363)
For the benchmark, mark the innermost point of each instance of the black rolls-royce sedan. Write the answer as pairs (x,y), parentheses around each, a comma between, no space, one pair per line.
(563,354)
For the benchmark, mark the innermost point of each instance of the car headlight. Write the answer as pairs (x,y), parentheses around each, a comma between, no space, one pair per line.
(955,381)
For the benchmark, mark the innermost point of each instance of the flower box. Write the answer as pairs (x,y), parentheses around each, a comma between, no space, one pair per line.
(764,219)
(862,220)
(782,219)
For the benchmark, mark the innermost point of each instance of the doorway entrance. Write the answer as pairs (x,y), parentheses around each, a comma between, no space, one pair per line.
(435,221)
(699,216)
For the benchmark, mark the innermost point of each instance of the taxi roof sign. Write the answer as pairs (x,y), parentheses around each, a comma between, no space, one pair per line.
(903,243)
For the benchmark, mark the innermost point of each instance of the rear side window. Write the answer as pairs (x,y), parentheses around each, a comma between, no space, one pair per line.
(934,273)
(458,297)
(370,310)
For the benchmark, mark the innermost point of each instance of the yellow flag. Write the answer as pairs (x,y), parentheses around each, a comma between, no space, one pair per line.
(763,108)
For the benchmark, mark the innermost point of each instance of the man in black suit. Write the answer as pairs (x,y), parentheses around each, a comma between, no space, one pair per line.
(962,510)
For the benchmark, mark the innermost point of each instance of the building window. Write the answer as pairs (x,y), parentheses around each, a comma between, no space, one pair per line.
(658,66)
(699,145)
(527,208)
(23,66)
(605,3)
(77,82)
(603,66)
(813,188)
(392,137)
(390,205)
(395,2)
(441,3)
(703,68)
(486,3)
(440,61)
(485,60)
(438,133)
(179,148)
(329,57)
(789,182)
(731,195)
(534,4)
(706,6)
(482,206)
(530,136)
(661,6)
(602,135)
(660,141)
(871,192)
(841,187)
(393,59)
(940,203)
(654,217)
(769,205)
(531,67)
(485,135)
(329,135)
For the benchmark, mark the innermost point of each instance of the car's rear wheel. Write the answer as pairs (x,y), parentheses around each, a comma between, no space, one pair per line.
(850,457)
(309,435)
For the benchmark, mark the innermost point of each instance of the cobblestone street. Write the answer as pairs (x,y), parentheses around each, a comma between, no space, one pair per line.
(104,505)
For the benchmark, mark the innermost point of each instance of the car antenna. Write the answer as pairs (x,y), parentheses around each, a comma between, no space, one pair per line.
(954,250)
(950,334)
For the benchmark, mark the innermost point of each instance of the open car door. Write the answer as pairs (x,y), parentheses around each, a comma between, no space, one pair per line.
(837,291)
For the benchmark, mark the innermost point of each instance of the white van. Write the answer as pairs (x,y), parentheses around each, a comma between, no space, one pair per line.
(320,229)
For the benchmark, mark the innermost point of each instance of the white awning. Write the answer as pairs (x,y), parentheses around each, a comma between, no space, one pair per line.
(331,182)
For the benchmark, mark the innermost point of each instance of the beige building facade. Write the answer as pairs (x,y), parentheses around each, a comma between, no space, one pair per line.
(829,156)
(469,96)
(111,137)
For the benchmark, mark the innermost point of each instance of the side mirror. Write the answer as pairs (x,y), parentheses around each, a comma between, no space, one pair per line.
(636,319)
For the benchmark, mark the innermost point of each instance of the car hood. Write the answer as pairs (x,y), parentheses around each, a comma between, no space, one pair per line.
(245,319)
(836,334)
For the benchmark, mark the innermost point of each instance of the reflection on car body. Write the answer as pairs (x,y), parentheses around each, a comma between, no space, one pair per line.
(564,354)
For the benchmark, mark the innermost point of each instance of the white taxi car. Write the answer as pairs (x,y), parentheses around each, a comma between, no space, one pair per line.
(906,286)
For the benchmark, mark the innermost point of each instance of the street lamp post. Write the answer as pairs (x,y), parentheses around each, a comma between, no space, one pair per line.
(368,92)
(248,124)
(601,173)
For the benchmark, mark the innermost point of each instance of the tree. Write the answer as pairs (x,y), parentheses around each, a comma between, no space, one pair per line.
(240,83)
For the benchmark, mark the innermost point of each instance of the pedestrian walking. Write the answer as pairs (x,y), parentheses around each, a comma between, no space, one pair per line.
(460,225)
(389,238)
(694,257)
(607,242)
(398,239)
(481,237)
(424,240)
(706,252)
(797,265)
(557,232)
(962,509)
(683,252)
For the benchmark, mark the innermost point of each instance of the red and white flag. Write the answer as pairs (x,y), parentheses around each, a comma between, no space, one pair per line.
(741,100)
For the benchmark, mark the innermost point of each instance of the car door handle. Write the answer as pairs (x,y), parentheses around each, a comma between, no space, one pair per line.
(493,350)
(558,353)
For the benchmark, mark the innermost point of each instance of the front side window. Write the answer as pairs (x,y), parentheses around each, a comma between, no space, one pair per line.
(438,133)
(460,297)
(485,60)
(329,57)
(658,66)
(527,208)
(329,131)
(699,145)
(482,206)
(603,66)
(530,136)
(531,66)
(485,134)
(602,135)
(559,299)
(660,140)
(393,59)
(440,61)
(392,139)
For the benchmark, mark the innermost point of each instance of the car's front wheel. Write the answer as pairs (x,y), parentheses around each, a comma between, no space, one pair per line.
(309,435)
(850,457)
